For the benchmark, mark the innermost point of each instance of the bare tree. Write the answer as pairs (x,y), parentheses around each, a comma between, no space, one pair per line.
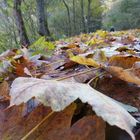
(20,23)
(74,17)
(83,17)
(89,15)
(69,18)
(42,20)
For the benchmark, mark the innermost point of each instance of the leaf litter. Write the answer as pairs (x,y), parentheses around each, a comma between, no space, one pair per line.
(75,62)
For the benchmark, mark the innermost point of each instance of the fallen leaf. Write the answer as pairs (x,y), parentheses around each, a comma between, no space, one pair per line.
(119,90)
(55,126)
(20,64)
(129,39)
(4,89)
(122,49)
(100,56)
(67,65)
(87,128)
(127,75)
(115,133)
(5,66)
(4,95)
(84,61)
(8,53)
(27,72)
(59,95)
(136,69)
(123,61)
(13,121)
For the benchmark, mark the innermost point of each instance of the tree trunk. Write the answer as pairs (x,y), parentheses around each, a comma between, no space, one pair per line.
(89,15)
(20,23)
(83,17)
(42,21)
(74,17)
(69,18)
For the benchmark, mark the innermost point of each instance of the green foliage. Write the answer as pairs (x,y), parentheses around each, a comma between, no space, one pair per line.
(56,15)
(41,46)
(124,14)
(58,21)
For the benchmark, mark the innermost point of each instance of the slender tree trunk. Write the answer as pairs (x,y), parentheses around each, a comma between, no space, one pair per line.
(14,33)
(89,15)
(32,25)
(42,21)
(74,17)
(69,18)
(9,26)
(20,23)
(82,15)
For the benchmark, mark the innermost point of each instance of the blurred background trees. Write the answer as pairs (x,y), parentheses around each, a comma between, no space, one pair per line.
(123,14)
(24,21)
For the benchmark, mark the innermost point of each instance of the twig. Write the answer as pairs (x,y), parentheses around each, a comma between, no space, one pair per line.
(73,75)
(95,77)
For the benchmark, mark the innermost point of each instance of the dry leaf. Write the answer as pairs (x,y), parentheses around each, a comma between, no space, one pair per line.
(59,95)
(4,89)
(119,90)
(8,53)
(14,126)
(127,75)
(55,126)
(87,128)
(20,64)
(84,61)
(136,69)
(4,95)
(128,39)
(100,56)
(123,61)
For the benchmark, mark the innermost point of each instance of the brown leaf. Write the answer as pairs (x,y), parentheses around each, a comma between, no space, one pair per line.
(13,122)
(67,65)
(59,95)
(119,90)
(114,133)
(127,75)
(55,126)
(20,64)
(4,89)
(4,95)
(123,61)
(9,120)
(136,69)
(128,39)
(87,128)
(59,127)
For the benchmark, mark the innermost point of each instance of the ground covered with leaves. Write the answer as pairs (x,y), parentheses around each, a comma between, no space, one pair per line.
(81,88)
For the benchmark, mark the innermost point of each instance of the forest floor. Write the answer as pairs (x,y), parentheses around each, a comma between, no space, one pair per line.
(81,88)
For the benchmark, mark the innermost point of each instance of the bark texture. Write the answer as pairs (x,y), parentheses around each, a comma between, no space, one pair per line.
(83,17)
(42,21)
(69,18)
(20,23)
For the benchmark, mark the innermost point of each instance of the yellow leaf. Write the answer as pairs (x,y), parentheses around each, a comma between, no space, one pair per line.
(70,53)
(84,61)
(102,34)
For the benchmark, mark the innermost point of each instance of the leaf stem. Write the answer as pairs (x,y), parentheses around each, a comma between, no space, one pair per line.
(51,114)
